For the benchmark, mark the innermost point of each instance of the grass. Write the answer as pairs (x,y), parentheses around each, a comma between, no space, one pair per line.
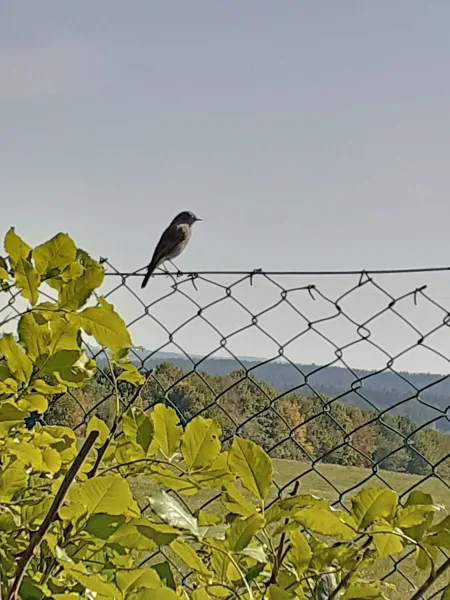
(340,483)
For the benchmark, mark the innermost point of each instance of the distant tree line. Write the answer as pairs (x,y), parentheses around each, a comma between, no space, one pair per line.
(287,425)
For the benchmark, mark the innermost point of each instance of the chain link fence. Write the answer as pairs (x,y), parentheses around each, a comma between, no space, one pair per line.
(353,389)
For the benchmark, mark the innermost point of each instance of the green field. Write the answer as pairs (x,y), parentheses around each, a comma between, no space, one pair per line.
(335,483)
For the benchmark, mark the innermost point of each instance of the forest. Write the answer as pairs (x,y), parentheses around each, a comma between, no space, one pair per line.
(289,425)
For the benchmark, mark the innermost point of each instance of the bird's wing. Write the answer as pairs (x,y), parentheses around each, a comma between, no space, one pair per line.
(171,239)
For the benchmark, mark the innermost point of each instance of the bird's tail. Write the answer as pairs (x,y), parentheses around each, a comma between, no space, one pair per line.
(149,273)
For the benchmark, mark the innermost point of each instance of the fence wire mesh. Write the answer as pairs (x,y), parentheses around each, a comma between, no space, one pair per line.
(353,390)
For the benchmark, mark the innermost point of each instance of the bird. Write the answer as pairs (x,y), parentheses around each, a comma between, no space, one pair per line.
(172,242)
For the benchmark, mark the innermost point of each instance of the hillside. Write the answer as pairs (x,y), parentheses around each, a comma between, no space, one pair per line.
(424,396)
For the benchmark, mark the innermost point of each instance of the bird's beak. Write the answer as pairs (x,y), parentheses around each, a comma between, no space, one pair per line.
(197,219)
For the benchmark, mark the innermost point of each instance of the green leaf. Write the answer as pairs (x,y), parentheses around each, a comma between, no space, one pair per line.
(218,474)
(74,293)
(34,514)
(104,324)
(412,515)
(57,253)
(173,481)
(63,336)
(418,497)
(51,460)
(426,556)
(4,275)
(360,591)
(252,465)
(45,388)
(18,362)
(165,574)
(138,428)
(441,539)
(276,593)
(300,553)
(136,579)
(235,502)
(326,522)
(372,504)
(386,542)
(242,531)
(96,584)
(35,338)
(142,534)
(16,247)
(201,443)
(27,280)
(10,416)
(159,594)
(130,374)
(172,513)
(13,479)
(96,424)
(190,558)
(110,495)
(167,431)
(33,402)
(104,526)
(200,594)
(256,552)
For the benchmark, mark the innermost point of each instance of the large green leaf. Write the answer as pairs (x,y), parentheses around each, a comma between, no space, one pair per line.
(74,293)
(418,497)
(300,553)
(57,253)
(136,579)
(386,540)
(138,428)
(33,402)
(172,480)
(361,591)
(64,336)
(104,324)
(252,465)
(189,557)
(13,478)
(242,532)
(96,584)
(171,512)
(165,574)
(142,534)
(130,373)
(96,424)
(34,514)
(372,504)
(201,443)
(217,474)
(412,516)
(235,502)
(326,522)
(27,280)
(110,495)
(167,431)
(18,362)
(33,336)
(104,526)
(16,247)
(277,593)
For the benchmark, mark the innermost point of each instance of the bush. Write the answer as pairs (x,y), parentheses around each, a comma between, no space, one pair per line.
(70,526)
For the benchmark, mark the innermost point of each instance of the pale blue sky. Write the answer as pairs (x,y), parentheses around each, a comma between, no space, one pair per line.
(307,135)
